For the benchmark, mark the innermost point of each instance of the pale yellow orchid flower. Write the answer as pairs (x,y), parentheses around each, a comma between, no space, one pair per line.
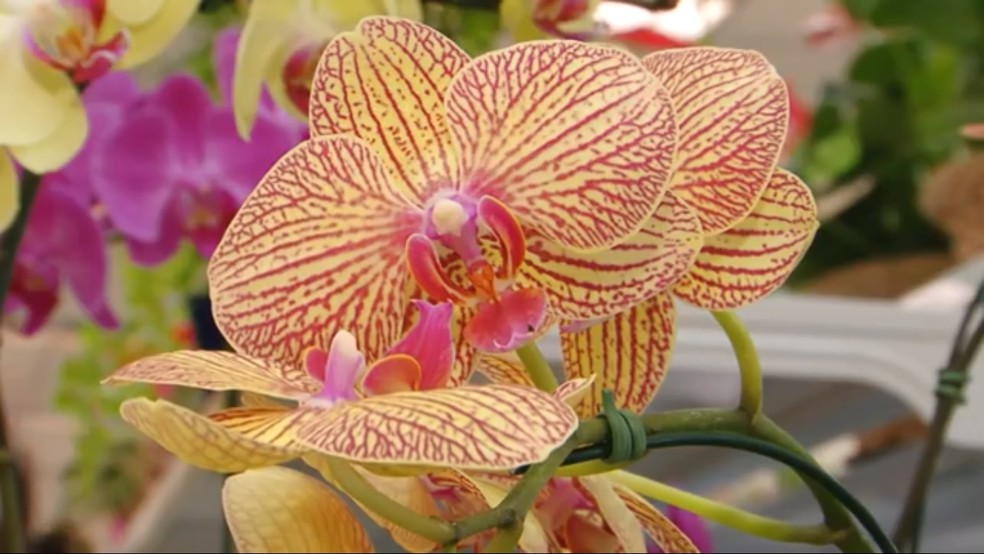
(48,47)
(282,42)
(9,191)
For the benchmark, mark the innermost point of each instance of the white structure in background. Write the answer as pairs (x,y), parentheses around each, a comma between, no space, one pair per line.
(689,21)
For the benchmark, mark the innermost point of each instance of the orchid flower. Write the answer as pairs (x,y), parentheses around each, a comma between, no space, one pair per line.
(392,410)
(282,41)
(62,241)
(755,220)
(9,191)
(489,182)
(693,526)
(193,170)
(536,19)
(50,46)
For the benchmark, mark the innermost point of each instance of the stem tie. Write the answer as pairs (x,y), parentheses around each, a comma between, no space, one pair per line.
(628,433)
(950,385)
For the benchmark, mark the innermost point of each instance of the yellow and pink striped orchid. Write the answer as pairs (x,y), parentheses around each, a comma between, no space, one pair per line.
(755,220)
(47,47)
(341,407)
(464,180)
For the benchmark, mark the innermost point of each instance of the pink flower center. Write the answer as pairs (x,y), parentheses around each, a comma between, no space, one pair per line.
(65,35)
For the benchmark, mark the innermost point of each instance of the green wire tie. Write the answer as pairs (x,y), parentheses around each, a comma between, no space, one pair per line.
(950,385)
(627,432)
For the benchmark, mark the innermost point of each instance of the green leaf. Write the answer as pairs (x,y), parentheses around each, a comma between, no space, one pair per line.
(951,21)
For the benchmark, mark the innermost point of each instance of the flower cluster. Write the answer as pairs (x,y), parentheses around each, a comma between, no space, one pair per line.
(444,213)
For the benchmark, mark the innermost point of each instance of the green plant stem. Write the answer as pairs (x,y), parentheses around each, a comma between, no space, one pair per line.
(748,362)
(505,540)
(14,532)
(537,366)
(752,524)
(965,349)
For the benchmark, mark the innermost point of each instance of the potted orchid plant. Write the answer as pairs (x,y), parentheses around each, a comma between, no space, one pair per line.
(390,204)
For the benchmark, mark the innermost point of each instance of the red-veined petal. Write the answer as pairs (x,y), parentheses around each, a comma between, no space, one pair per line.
(595,286)
(464,351)
(573,391)
(385,83)
(503,369)
(507,231)
(316,248)
(732,111)
(576,139)
(659,527)
(749,261)
(203,441)
(491,427)
(276,509)
(628,354)
(425,266)
(218,371)
(613,510)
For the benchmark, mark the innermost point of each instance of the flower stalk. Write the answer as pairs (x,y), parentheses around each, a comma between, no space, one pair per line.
(748,362)
(537,366)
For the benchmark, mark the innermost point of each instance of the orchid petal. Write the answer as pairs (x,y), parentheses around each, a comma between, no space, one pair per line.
(582,534)
(573,391)
(59,147)
(394,373)
(275,509)
(503,369)
(431,343)
(274,426)
(200,441)
(254,400)
(613,510)
(425,266)
(732,112)
(692,526)
(659,527)
(408,491)
(484,428)
(262,50)
(151,36)
(628,354)
(319,244)
(36,97)
(9,191)
(754,258)
(385,83)
(508,232)
(237,165)
(218,371)
(508,323)
(533,537)
(134,12)
(464,351)
(577,139)
(595,286)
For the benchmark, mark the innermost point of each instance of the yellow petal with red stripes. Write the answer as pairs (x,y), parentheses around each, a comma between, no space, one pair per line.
(503,369)
(613,510)
(408,491)
(385,83)
(594,286)
(491,427)
(628,354)
(749,261)
(217,371)
(732,113)
(253,400)
(316,248)
(276,509)
(203,441)
(576,139)
(660,529)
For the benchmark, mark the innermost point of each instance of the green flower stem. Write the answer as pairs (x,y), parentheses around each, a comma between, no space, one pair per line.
(752,524)
(505,540)
(537,366)
(748,362)
(14,534)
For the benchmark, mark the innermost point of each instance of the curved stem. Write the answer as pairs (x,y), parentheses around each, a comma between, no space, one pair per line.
(748,362)
(14,532)
(752,524)
(361,490)
(537,366)
(505,540)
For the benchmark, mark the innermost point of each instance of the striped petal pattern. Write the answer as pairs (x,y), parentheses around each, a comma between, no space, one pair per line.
(217,371)
(316,248)
(749,261)
(628,354)
(276,509)
(577,139)
(613,510)
(385,83)
(732,113)
(202,441)
(491,427)
(594,286)
(659,527)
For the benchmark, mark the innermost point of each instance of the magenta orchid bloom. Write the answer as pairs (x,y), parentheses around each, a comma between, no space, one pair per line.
(193,170)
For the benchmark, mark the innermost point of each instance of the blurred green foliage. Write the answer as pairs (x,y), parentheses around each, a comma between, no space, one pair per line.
(112,466)
(895,115)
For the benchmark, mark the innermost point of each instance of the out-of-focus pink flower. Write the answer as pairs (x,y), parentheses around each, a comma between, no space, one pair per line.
(692,525)
(831,26)
(175,168)
(800,122)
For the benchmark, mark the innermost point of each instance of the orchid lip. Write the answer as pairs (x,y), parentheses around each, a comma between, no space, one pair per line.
(63,34)
(336,369)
